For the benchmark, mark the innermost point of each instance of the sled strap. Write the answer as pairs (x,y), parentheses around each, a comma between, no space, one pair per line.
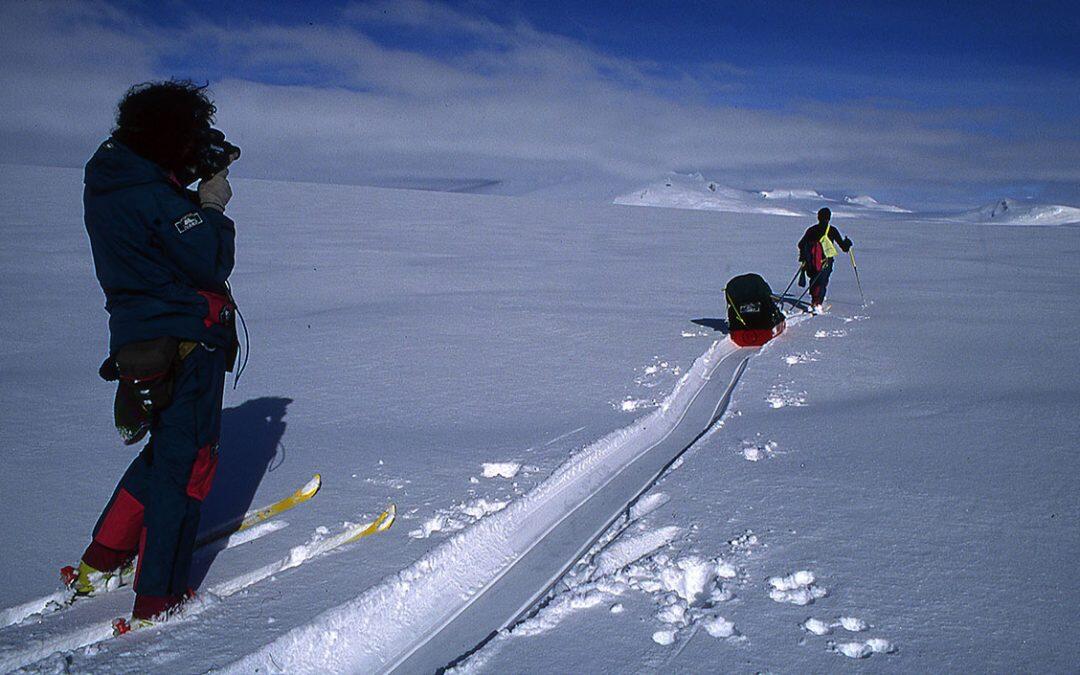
(734,307)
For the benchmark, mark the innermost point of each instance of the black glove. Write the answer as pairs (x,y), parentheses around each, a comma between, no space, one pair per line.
(846,244)
(802,277)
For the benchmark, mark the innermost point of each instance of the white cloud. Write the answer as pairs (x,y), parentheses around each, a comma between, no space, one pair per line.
(512,103)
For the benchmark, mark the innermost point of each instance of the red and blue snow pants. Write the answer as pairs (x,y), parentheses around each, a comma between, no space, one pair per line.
(820,282)
(154,511)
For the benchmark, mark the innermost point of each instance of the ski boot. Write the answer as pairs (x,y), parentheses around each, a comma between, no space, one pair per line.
(151,610)
(121,626)
(87,581)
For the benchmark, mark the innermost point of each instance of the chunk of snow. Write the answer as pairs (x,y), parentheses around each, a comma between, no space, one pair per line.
(621,553)
(817,626)
(689,578)
(500,469)
(854,650)
(478,508)
(719,627)
(792,581)
(797,588)
(648,504)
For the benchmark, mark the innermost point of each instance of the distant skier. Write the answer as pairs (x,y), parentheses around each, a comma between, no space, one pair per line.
(817,248)
(163,255)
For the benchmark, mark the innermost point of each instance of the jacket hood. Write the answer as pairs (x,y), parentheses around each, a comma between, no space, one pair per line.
(115,166)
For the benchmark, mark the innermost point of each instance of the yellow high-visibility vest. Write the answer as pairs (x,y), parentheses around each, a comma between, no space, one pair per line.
(827,248)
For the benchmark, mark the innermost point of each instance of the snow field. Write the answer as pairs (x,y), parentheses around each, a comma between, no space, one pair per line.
(926,479)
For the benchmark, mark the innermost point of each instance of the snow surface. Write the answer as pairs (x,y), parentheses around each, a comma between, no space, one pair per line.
(922,466)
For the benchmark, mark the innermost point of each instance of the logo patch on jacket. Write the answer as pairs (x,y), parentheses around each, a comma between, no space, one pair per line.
(187,222)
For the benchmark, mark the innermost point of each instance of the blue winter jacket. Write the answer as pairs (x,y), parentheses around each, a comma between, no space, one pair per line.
(154,251)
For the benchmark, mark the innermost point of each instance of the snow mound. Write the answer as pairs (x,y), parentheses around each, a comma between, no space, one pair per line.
(868,202)
(1015,212)
(679,191)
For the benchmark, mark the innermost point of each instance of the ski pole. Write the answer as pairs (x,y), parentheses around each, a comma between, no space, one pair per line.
(856,268)
(784,294)
(809,286)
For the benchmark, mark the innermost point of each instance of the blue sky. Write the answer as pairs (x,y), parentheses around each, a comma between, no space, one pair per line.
(926,103)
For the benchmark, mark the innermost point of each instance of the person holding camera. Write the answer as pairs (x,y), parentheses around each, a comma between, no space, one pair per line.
(163,255)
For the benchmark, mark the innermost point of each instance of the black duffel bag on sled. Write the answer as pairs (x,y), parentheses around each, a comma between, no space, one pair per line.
(753,316)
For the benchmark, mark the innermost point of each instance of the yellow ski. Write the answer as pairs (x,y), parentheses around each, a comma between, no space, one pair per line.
(380,524)
(253,518)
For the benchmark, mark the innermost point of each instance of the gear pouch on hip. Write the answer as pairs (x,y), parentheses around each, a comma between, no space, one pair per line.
(145,371)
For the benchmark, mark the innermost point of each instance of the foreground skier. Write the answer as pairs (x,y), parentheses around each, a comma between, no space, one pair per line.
(163,255)
(817,248)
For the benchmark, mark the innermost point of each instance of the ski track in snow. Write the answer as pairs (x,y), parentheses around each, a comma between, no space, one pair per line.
(423,597)
(687,591)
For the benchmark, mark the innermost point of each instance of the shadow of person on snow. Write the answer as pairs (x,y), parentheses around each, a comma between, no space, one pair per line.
(250,440)
(720,325)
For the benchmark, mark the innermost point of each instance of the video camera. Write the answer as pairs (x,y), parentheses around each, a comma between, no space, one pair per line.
(213,153)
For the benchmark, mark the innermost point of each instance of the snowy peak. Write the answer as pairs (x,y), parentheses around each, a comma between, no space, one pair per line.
(1016,212)
(792,194)
(868,202)
(692,191)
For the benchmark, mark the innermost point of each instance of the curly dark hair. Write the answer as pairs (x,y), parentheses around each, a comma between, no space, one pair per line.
(160,120)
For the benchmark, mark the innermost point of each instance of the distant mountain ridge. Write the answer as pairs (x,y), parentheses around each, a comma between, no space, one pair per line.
(1015,212)
(693,191)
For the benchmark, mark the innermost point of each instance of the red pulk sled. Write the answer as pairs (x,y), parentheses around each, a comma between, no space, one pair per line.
(753,316)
